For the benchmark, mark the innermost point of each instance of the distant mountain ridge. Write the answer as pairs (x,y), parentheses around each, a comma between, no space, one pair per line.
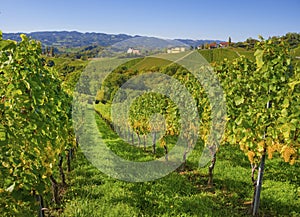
(79,39)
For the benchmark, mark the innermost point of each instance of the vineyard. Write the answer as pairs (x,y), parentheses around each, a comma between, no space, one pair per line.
(36,129)
(150,109)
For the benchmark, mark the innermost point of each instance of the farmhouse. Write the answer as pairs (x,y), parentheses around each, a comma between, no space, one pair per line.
(212,45)
(133,51)
(223,44)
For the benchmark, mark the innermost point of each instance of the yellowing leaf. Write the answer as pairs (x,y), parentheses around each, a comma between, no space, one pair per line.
(26,84)
(36,150)
(11,188)
(17,92)
(239,100)
(260,146)
(259,58)
(286,103)
(251,156)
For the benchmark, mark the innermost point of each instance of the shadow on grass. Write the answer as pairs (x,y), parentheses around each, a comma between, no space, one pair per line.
(271,207)
(124,149)
(185,193)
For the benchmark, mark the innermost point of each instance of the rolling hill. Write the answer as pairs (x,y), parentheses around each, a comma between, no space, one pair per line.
(78,39)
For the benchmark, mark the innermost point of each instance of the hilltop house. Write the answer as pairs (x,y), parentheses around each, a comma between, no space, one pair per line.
(176,50)
(133,51)
(212,45)
(223,44)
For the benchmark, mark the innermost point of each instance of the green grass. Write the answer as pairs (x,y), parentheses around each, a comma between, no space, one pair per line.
(92,193)
(66,65)
(213,55)
(218,55)
(241,51)
(104,110)
(69,70)
(150,63)
(161,60)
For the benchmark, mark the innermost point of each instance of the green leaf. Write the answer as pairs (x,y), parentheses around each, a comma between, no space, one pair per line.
(293,84)
(284,112)
(17,92)
(285,129)
(26,84)
(286,103)
(239,120)
(282,120)
(23,37)
(239,100)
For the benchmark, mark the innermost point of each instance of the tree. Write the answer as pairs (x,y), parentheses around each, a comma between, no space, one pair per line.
(229,41)
(250,43)
(46,50)
(293,39)
(52,51)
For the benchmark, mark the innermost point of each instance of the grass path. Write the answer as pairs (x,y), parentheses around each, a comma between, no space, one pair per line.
(92,193)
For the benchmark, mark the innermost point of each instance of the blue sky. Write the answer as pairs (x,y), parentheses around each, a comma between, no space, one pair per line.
(195,19)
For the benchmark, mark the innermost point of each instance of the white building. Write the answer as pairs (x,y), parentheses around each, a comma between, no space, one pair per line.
(133,51)
(176,50)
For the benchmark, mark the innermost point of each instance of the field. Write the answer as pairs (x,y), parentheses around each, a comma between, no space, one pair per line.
(213,55)
(217,55)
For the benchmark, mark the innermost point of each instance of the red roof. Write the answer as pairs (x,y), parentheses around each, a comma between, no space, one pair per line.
(224,43)
(213,44)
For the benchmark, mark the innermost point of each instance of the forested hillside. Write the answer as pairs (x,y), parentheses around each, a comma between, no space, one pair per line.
(78,39)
